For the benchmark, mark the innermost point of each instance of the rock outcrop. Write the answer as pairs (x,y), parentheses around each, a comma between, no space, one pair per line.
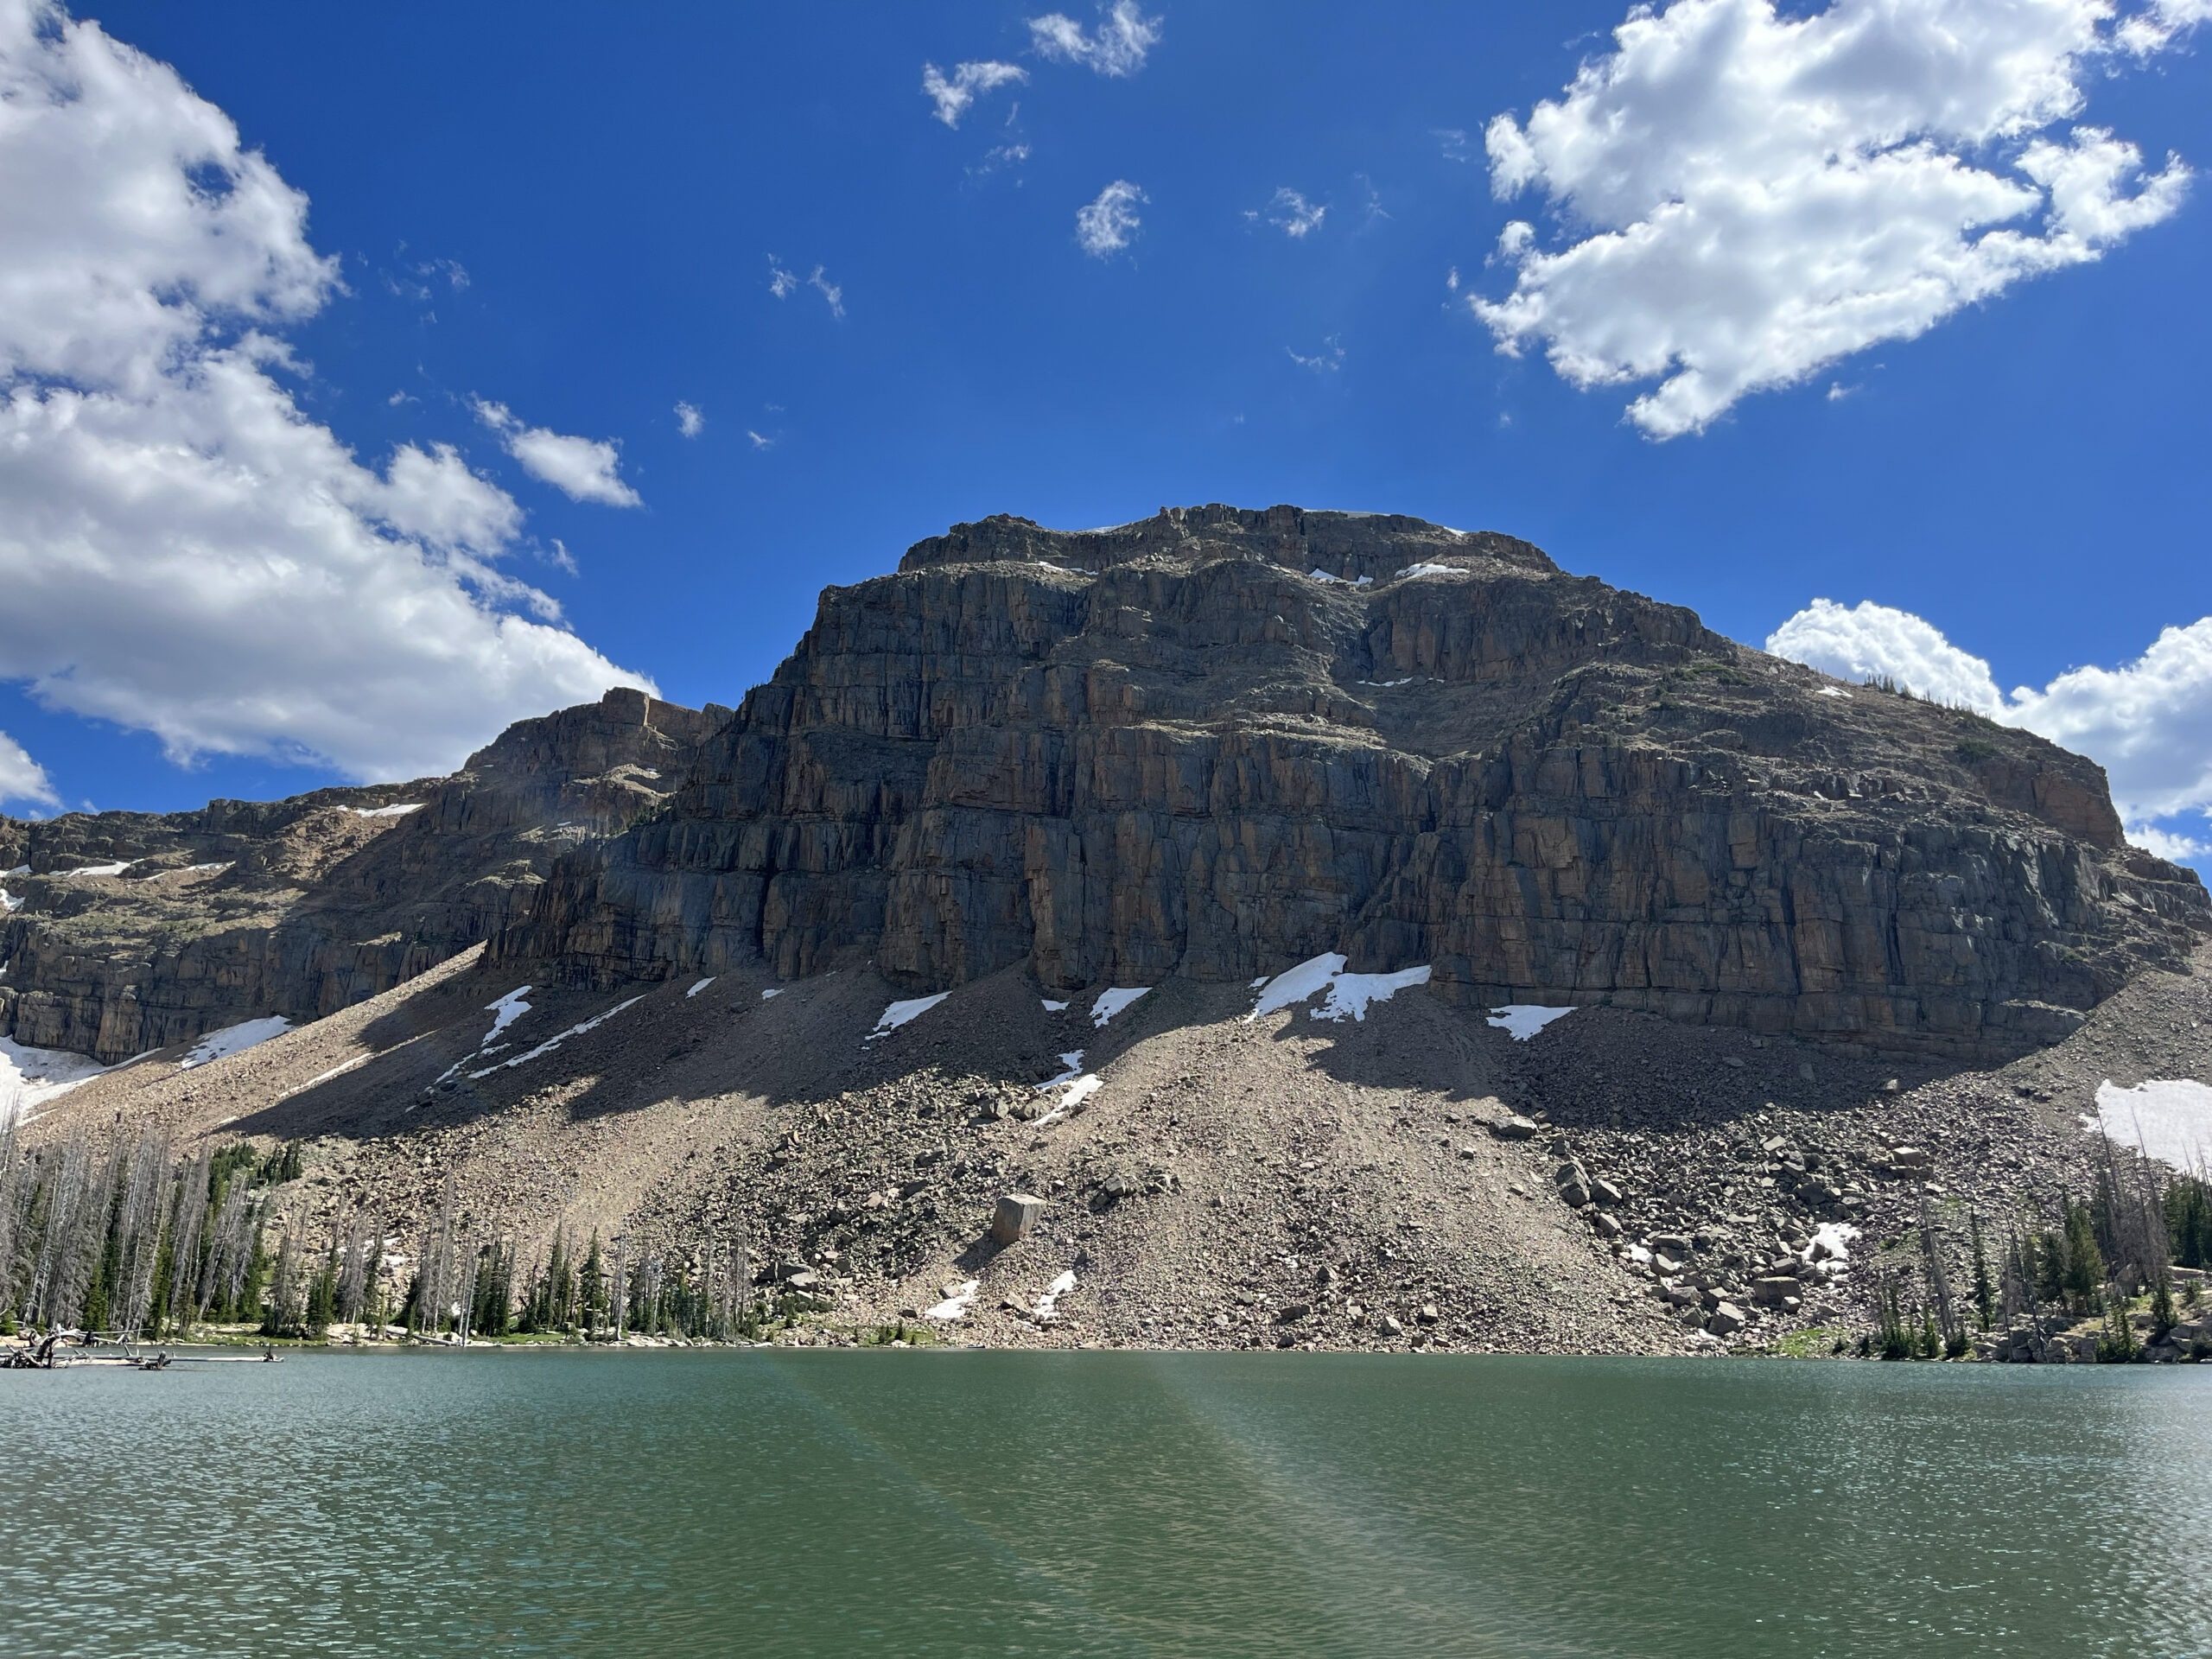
(126,932)
(1220,741)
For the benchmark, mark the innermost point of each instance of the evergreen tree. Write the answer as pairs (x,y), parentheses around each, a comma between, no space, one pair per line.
(2082,1277)
(1985,1295)
(2161,1307)
(592,1291)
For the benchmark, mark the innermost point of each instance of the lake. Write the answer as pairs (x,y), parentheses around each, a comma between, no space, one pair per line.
(894,1501)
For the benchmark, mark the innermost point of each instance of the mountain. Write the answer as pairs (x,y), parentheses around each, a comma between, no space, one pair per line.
(1219,742)
(1354,931)
(126,932)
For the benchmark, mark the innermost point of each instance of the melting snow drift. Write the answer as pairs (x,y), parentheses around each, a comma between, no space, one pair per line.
(955,1305)
(234,1039)
(899,1013)
(1348,994)
(2168,1118)
(31,1076)
(1113,1001)
(1525,1020)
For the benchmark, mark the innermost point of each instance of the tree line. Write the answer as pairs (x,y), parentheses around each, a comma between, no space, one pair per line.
(133,1242)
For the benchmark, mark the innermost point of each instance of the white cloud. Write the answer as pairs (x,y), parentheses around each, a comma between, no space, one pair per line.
(2175,849)
(1294,215)
(758,441)
(583,469)
(953,94)
(689,421)
(23,778)
(782,284)
(182,550)
(1749,196)
(1327,361)
(1125,35)
(830,291)
(2148,723)
(1452,143)
(1107,224)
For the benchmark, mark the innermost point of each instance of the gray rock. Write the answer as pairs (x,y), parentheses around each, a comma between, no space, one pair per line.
(1514,1129)
(1016,1216)
(1726,1319)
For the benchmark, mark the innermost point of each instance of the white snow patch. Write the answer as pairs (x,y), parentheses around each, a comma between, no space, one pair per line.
(1113,1000)
(773,990)
(1060,1288)
(1076,1085)
(31,1076)
(96,869)
(1525,1020)
(234,1039)
(1829,1249)
(2168,1118)
(956,1304)
(899,1013)
(553,1042)
(397,811)
(504,1012)
(20,869)
(1430,571)
(1051,1007)
(700,987)
(1835,691)
(1348,994)
(8,901)
(204,869)
(1318,575)
(335,1071)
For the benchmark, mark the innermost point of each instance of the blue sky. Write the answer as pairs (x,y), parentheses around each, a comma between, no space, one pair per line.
(2028,475)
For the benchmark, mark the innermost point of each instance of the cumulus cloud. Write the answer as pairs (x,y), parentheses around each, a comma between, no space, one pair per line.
(1108,224)
(1291,214)
(1748,196)
(689,421)
(583,469)
(1124,36)
(23,778)
(2148,723)
(954,94)
(182,551)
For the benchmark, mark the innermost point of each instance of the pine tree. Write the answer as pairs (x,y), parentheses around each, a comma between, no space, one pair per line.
(592,1289)
(2161,1307)
(1985,1295)
(2083,1276)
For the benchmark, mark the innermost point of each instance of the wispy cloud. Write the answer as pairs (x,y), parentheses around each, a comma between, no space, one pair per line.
(1327,361)
(954,94)
(1294,216)
(1108,224)
(690,421)
(759,441)
(1124,37)
(583,469)
(784,283)
(1451,141)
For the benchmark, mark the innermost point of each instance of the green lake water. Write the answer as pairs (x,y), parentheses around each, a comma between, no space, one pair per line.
(761,1503)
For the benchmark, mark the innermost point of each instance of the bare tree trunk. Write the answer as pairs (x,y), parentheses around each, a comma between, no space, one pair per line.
(1937,1277)
(184,1248)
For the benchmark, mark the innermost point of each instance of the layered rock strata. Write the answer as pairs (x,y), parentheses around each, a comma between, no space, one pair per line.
(128,931)
(1220,741)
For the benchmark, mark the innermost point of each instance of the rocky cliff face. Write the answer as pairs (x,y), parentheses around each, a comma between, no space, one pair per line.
(127,931)
(1220,741)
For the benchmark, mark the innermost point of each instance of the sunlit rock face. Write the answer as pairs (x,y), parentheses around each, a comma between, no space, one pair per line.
(1219,742)
(132,931)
